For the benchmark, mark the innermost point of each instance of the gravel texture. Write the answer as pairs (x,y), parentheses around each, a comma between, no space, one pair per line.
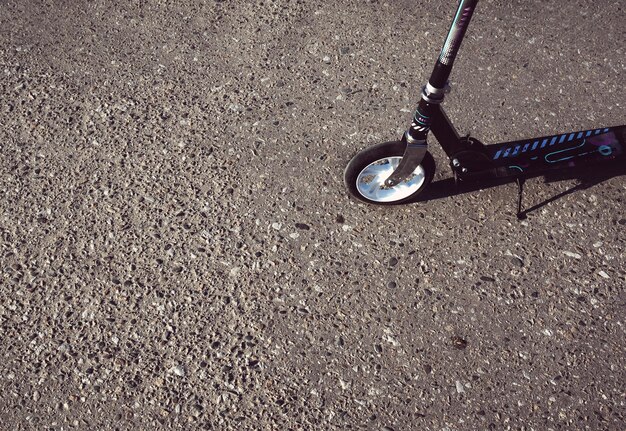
(178,251)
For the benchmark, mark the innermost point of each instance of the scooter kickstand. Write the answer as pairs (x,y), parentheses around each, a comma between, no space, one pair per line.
(521,215)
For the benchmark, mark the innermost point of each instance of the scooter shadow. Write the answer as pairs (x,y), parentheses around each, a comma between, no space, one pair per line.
(587,177)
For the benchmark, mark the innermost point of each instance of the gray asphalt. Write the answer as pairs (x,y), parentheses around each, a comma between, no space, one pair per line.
(178,250)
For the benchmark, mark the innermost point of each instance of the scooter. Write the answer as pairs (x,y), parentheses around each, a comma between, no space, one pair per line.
(397,172)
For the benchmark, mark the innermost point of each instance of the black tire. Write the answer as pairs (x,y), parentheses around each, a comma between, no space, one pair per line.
(375,153)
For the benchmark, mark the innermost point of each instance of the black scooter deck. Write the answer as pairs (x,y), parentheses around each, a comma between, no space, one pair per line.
(567,150)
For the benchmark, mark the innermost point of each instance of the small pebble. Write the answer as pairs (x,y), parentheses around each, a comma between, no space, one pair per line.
(574,255)
(458,342)
(178,370)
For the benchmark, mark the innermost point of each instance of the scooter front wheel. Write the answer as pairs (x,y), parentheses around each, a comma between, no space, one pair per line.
(366,173)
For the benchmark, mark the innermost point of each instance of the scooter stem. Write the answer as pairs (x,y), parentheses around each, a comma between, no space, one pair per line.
(443,67)
(432,94)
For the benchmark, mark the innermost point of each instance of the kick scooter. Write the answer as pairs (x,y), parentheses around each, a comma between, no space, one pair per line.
(396,172)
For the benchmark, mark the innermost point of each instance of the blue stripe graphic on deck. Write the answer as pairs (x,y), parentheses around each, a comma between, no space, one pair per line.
(522,148)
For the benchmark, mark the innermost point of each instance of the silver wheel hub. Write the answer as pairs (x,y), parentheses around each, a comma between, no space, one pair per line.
(371,181)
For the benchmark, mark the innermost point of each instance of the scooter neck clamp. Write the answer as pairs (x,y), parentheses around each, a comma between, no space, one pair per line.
(434,95)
